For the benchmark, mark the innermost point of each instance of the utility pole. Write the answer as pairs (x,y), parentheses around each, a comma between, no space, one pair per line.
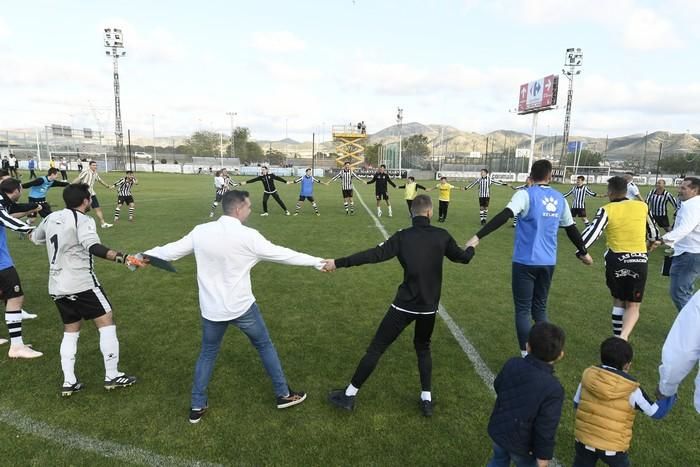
(573,59)
(233,134)
(114,41)
(399,120)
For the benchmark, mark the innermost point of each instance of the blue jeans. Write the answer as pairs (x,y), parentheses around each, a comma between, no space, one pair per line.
(253,326)
(530,290)
(503,458)
(685,270)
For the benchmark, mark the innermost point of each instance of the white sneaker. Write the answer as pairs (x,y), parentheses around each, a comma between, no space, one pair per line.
(27,315)
(106,225)
(23,351)
(391,214)
(211,214)
(379,213)
(264,214)
(286,213)
(3,341)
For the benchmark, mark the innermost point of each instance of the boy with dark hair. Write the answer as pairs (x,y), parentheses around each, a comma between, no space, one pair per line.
(579,192)
(307,191)
(605,404)
(529,399)
(38,189)
(445,190)
(484,181)
(411,192)
(381,190)
(124,195)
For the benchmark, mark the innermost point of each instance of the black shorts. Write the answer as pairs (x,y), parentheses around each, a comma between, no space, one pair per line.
(347,193)
(484,202)
(626,275)
(45,207)
(125,199)
(303,198)
(95,203)
(382,196)
(662,221)
(578,212)
(10,287)
(218,197)
(86,305)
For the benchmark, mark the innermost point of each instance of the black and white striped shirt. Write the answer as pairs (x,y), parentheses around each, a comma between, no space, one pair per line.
(580,193)
(345,178)
(125,185)
(485,185)
(11,223)
(658,202)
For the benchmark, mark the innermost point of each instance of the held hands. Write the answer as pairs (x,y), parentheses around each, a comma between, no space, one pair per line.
(472,242)
(651,246)
(289,183)
(586,259)
(328,265)
(243,183)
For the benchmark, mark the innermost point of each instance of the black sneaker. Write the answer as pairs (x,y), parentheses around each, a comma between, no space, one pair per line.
(120,382)
(426,407)
(338,398)
(293,398)
(483,221)
(197,414)
(67,391)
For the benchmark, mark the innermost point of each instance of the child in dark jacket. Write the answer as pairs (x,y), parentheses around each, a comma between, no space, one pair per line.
(529,399)
(605,405)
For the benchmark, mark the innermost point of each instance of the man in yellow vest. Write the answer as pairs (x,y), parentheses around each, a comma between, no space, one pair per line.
(605,403)
(625,221)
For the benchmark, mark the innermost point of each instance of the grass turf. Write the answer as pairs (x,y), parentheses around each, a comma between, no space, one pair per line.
(321,325)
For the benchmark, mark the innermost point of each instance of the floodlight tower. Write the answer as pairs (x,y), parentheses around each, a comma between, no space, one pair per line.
(233,134)
(399,121)
(114,42)
(572,61)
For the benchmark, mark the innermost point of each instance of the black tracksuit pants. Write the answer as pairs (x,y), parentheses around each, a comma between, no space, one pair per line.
(391,327)
(277,198)
(442,210)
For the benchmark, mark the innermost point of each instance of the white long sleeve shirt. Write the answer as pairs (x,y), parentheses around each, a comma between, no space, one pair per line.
(685,236)
(226,251)
(681,351)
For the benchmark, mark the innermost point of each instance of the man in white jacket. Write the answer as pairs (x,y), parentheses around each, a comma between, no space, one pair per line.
(225,252)
(681,351)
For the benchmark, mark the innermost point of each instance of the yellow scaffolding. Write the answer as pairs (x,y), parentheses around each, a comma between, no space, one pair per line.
(349,144)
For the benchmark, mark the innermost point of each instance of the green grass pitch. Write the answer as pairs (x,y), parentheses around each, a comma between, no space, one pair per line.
(321,325)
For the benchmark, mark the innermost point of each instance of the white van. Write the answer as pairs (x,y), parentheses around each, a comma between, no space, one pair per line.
(142,155)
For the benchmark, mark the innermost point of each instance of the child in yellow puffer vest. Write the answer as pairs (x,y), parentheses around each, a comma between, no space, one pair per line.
(606,402)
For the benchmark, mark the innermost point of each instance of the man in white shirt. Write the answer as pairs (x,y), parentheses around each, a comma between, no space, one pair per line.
(632,188)
(681,351)
(225,251)
(89,176)
(685,241)
(71,240)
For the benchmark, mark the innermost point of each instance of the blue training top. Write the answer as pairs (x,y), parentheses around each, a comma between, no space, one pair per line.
(536,232)
(307,186)
(39,191)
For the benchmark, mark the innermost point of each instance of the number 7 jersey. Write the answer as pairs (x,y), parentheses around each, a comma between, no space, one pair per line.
(68,235)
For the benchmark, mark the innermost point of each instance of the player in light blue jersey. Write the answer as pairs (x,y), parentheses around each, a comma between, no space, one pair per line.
(307,191)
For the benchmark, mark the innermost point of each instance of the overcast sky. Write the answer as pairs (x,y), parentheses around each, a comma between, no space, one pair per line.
(306,65)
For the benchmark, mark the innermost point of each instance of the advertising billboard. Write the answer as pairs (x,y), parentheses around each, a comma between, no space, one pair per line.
(539,94)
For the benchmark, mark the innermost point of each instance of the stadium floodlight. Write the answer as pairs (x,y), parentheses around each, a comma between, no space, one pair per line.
(399,121)
(114,41)
(573,60)
(233,134)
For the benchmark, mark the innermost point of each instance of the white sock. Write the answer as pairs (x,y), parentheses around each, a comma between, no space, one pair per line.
(617,313)
(523,353)
(109,346)
(14,326)
(69,347)
(351,390)
(425,396)
(390,210)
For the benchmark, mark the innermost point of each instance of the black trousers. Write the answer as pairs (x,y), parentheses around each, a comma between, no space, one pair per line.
(442,212)
(32,174)
(409,202)
(277,198)
(390,328)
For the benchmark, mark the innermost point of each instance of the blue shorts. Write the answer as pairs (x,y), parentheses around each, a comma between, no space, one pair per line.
(95,203)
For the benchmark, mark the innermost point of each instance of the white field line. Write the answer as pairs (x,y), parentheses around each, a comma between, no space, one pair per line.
(109,449)
(468,348)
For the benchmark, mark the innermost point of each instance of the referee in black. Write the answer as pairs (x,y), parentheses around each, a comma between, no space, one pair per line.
(420,250)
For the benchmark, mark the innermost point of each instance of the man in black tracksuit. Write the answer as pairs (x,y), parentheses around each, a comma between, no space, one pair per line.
(381,190)
(268,181)
(420,250)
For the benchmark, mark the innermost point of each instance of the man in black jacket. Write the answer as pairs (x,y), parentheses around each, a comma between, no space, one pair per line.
(268,181)
(420,250)
(381,190)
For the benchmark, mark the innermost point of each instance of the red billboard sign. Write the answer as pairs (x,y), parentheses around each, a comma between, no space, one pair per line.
(538,95)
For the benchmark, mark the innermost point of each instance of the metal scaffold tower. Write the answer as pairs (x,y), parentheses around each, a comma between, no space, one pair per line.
(350,141)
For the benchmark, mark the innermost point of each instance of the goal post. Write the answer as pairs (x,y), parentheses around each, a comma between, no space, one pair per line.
(593,173)
(72,157)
